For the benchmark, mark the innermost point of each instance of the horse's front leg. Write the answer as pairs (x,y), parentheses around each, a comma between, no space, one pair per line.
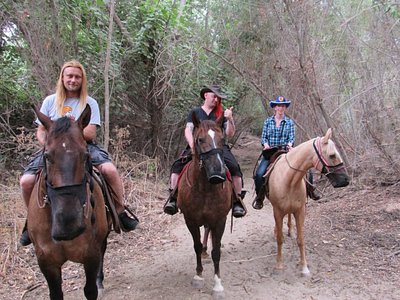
(205,241)
(300,217)
(198,280)
(92,268)
(52,273)
(100,273)
(279,238)
(216,235)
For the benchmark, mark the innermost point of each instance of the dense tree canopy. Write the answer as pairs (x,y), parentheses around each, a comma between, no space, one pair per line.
(338,61)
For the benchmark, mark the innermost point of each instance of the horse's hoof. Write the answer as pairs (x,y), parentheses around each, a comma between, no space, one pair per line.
(217,295)
(197,282)
(100,293)
(305,272)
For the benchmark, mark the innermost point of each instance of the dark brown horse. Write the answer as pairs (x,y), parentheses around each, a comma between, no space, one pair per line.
(67,219)
(287,187)
(205,196)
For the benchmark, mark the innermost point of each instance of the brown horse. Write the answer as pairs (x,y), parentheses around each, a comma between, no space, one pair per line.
(205,196)
(287,187)
(67,219)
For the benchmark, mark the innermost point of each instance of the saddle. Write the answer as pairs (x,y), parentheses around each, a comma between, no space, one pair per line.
(273,158)
(109,199)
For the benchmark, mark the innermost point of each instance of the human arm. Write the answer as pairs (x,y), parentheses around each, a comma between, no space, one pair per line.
(41,134)
(264,136)
(292,135)
(230,124)
(189,135)
(90,132)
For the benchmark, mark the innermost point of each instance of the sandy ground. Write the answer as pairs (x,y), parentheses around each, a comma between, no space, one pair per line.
(352,248)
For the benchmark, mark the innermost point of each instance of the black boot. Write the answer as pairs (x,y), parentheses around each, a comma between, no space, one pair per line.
(25,240)
(238,210)
(127,223)
(312,193)
(258,202)
(170,207)
(310,187)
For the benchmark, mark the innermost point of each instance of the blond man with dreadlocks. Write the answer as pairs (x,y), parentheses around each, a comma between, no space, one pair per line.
(70,100)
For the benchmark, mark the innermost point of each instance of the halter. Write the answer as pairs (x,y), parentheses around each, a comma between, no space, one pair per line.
(79,189)
(205,155)
(326,169)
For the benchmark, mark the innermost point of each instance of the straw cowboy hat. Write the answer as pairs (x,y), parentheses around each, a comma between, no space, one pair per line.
(279,100)
(213,89)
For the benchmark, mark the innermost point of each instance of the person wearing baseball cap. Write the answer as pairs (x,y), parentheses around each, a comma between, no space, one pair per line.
(211,109)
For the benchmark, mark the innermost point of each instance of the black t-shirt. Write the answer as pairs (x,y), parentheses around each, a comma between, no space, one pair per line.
(202,116)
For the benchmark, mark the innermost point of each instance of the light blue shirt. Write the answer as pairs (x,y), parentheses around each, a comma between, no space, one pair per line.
(71,108)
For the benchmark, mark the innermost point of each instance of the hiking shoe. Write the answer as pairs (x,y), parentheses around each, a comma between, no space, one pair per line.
(127,223)
(25,240)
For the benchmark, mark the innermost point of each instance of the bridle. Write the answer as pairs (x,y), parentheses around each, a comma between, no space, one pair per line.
(205,155)
(326,169)
(80,189)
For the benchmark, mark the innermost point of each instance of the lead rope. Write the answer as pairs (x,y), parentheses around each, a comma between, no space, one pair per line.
(41,194)
(87,204)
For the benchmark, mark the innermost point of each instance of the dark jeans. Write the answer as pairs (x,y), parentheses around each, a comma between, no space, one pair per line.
(261,169)
(97,155)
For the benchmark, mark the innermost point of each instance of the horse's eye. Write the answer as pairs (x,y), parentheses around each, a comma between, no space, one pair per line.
(200,140)
(332,156)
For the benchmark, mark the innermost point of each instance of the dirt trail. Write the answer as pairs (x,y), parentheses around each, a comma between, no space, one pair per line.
(352,249)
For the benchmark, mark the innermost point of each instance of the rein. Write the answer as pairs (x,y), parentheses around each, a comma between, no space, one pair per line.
(325,167)
(320,160)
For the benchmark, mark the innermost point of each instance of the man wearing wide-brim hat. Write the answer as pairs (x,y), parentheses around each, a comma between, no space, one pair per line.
(211,109)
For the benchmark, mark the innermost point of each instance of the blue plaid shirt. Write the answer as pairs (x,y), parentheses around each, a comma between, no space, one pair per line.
(277,136)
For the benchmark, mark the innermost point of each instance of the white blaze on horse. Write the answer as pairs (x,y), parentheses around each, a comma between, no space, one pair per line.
(287,187)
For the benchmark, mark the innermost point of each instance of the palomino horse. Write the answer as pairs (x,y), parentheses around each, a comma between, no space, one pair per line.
(287,187)
(205,196)
(67,218)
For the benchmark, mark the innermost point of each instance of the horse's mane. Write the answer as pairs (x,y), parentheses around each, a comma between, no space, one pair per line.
(61,125)
(208,124)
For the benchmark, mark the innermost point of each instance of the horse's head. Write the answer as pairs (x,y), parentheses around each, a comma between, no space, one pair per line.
(67,164)
(329,161)
(208,143)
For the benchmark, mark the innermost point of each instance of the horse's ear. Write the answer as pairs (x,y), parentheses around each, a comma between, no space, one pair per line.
(195,120)
(45,120)
(84,118)
(327,136)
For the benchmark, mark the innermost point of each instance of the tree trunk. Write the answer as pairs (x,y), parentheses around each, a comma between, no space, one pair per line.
(106,79)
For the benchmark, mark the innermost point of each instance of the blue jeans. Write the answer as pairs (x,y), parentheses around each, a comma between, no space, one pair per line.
(261,169)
